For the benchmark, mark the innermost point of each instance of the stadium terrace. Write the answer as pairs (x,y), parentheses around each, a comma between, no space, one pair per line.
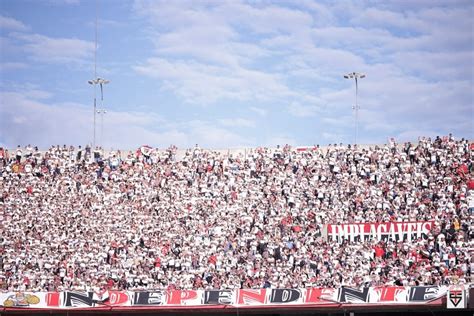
(81,219)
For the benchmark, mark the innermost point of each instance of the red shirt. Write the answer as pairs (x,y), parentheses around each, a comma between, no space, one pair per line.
(379,252)
(157,262)
(470,184)
(296,229)
(212,259)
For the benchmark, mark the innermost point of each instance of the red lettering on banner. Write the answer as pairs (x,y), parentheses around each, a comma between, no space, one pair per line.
(117,298)
(177,297)
(317,295)
(388,293)
(313,295)
(252,296)
(52,299)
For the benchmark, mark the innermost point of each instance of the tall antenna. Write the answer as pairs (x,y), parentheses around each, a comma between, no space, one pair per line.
(95,49)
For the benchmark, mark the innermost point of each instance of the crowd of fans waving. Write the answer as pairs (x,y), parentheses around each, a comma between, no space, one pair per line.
(82,219)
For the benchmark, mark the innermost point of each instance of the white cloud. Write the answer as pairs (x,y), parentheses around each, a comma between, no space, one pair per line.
(204,84)
(334,137)
(282,140)
(7,23)
(208,135)
(267,19)
(63,2)
(203,56)
(209,43)
(19,119)
(4,66)
(386,18)
(343,120)
(56,50)
(37,94)
(297,54)
(259,111)
(261,19)
(26,89)
(449,65)
(237,122)
(299,110)
(105,22)
(24,120)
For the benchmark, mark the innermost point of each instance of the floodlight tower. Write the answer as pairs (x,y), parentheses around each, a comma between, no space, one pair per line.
(355,76)
(97,81)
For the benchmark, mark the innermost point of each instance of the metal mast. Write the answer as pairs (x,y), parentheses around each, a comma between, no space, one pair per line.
(355,76)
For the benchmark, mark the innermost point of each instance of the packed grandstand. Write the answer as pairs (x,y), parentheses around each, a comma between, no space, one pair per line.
(87,220)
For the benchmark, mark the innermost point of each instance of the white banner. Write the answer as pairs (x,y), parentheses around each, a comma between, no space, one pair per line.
(237,298)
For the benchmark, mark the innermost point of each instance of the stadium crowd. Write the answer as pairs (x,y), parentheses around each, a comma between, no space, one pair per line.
(82,219)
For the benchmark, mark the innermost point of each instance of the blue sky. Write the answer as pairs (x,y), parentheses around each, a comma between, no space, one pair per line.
(235,73)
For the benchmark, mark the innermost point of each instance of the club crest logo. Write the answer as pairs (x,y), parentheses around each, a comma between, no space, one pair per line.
(455,296)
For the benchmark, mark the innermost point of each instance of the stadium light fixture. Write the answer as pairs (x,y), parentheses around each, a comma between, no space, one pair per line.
(101,82)
(355,76)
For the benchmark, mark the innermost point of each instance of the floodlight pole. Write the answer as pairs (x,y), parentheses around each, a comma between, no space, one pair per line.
(356,76)
(95,70)
(95,82)
(356,112)
(95,107)
(102,112)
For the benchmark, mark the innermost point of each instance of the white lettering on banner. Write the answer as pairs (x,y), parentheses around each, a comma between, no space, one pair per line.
(379,230)
(361,231)
(353,232)
(373,232)
(346,232)
(396,231)
(393,232)
(285,296)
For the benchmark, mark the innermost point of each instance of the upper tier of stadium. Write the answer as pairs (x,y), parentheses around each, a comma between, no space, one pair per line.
(81,219)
